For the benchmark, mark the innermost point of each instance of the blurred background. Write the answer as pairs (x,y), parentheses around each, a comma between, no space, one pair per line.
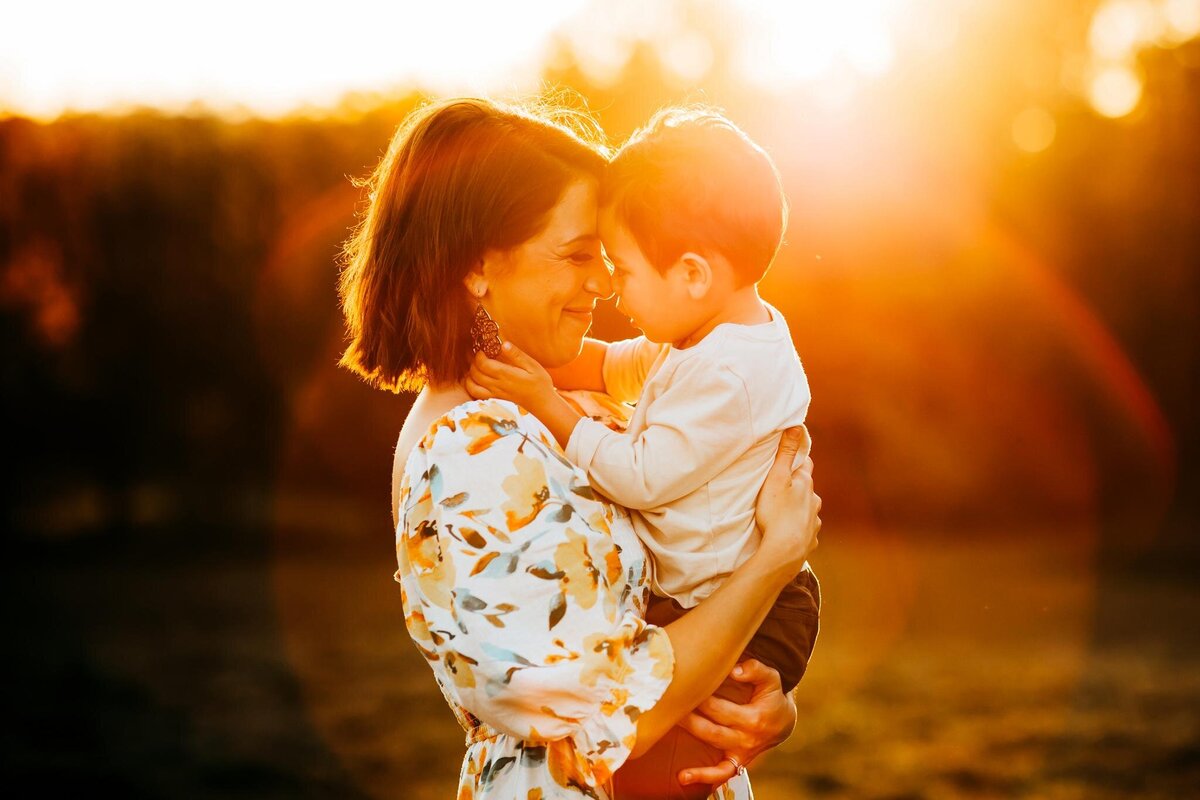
(992,274)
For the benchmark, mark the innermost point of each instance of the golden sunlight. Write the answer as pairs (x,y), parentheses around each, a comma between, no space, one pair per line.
(807,39)
(269,57)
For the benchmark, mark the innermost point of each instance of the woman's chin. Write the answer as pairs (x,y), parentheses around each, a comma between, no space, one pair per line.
(568,350)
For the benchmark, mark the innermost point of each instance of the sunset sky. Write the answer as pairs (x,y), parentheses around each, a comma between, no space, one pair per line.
(270,58)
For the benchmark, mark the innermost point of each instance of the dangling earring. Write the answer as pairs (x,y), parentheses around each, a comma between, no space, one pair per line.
(485,333)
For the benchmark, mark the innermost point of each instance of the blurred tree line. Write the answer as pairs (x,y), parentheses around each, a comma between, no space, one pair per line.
(170,327)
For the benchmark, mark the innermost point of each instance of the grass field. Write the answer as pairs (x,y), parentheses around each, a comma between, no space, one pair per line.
(967,670)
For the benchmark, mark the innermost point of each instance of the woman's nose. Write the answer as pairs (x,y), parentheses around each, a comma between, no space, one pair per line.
(599,282)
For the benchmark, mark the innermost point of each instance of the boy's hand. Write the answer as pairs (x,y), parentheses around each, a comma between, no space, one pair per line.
(514,376)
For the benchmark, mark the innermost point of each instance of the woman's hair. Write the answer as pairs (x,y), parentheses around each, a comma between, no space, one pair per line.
(460,178)
(689,179)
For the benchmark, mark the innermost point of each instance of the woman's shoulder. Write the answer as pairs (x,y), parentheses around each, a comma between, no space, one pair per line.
(481,430)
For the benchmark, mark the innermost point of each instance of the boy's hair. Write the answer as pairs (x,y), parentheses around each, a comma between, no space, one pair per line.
(691,180)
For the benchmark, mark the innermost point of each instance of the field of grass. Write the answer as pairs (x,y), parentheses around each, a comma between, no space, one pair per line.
(941,671)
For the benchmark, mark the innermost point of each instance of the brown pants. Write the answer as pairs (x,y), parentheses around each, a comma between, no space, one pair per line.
(783,642)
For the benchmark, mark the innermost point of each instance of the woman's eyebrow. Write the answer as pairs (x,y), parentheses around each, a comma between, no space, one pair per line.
(580,238)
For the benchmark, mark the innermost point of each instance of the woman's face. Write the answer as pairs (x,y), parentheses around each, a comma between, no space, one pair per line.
(542,292)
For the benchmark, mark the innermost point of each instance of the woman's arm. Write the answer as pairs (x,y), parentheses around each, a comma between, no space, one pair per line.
(708,640)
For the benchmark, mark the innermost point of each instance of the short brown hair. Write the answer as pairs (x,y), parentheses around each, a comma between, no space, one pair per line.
(691,180)
(461,177)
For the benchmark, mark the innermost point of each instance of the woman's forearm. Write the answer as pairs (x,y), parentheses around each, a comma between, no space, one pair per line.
(708,640)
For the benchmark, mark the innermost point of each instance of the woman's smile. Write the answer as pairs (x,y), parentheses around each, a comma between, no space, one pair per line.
(582,314)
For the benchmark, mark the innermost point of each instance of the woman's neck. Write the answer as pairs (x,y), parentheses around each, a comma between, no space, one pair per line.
(430,405)
(437,394)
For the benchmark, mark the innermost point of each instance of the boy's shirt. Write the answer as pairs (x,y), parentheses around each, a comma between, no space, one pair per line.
(698,446)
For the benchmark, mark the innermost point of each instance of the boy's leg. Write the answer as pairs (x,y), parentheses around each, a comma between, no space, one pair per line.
(786,639)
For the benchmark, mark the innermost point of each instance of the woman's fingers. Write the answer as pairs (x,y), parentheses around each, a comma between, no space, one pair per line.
(795,440)
(711,733)
(714,776)
(727,713)
(754,671)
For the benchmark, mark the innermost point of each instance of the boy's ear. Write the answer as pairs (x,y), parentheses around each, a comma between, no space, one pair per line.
(697,274)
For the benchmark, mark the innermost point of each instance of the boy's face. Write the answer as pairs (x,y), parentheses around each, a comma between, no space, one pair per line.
(659,304)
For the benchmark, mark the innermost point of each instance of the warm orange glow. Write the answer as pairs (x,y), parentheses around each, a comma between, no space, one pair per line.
(1033,130)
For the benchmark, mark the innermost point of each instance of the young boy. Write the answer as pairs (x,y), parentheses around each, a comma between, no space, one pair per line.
(692,214)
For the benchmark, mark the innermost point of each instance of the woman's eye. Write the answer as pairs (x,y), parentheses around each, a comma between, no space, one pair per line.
(582,258)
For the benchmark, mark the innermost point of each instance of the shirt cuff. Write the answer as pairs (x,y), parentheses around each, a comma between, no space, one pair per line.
(585,440)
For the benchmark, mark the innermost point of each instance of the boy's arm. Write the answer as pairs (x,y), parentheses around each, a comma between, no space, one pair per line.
(696,428)
(627,365)
(586,371)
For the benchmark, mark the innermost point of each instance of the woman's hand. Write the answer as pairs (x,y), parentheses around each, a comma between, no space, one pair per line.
(787,506)
(743,731)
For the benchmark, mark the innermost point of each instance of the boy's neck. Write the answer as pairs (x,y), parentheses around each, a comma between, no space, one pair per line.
(742,307)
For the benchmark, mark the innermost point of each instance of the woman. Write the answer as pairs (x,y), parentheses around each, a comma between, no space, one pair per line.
(523,589)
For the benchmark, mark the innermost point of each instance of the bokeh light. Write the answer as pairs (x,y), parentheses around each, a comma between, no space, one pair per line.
(1115,91)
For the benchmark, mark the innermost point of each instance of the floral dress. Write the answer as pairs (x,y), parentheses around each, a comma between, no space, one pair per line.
(525,592)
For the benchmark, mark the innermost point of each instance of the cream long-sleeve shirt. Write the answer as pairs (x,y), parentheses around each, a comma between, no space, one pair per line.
(698,446)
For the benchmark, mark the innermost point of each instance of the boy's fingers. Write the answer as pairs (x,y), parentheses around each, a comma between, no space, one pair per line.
(485,365)
(517,357)
(475,390)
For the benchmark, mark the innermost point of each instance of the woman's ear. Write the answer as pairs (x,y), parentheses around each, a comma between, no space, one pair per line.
(476,282)
(697,274)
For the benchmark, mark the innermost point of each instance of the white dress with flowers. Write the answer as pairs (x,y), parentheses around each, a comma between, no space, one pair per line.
(525,591)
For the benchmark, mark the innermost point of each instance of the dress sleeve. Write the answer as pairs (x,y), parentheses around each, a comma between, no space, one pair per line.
(696,428)
(627,365)
(519,598)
